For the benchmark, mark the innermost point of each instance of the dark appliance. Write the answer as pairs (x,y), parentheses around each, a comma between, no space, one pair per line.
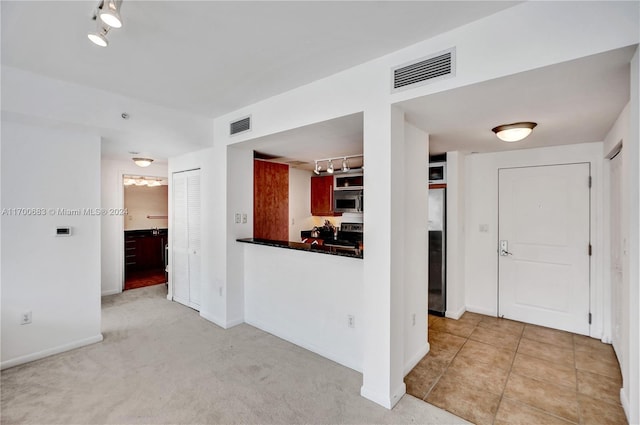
(437,252)
(348,201)
(437,173)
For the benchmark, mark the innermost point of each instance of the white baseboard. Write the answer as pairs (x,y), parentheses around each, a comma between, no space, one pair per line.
(413,361)
(234,322)
(306,345)
(213,319)
(481,310)
(385,401)
(455,314)
(624,400)
(111,292)
(50,352)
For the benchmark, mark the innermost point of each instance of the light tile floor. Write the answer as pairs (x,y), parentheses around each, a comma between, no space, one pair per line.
(497,371)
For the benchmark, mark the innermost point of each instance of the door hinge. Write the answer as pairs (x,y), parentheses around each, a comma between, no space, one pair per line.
(590,181)
(589,318)
(590,250)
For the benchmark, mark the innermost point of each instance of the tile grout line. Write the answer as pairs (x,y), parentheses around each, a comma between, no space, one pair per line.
(508,376)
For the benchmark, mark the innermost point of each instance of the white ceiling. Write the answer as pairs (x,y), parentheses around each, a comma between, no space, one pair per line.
(212,57)
(572,102)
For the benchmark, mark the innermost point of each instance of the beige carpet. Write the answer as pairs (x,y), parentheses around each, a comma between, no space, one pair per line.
(161,363)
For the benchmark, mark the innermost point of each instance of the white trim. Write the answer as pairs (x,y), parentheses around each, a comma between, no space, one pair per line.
(385,400)
(224,324)
(111,292)
(455,315)
(50,352)
(415,359)
(306,345)
(480,310)
(624,400)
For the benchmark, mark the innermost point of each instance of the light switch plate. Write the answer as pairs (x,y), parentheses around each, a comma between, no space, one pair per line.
(238,218)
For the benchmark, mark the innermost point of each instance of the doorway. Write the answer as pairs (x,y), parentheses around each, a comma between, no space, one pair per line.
(145,231)
(544,246)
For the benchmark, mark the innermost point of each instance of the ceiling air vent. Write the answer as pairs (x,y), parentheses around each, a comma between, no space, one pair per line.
(240,125)
(426,70)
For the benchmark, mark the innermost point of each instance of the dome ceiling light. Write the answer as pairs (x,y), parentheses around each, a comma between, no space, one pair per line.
(143,162)
(514,132)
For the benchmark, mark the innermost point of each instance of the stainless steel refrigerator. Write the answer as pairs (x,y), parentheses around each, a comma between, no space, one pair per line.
(437,251)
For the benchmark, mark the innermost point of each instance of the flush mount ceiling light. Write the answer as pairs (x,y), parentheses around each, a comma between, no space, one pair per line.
(514,132)
(110,13)
(143,162)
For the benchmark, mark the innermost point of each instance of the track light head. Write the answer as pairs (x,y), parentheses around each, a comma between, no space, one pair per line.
(345,165)
(330,167)
(99,37)
(110,13)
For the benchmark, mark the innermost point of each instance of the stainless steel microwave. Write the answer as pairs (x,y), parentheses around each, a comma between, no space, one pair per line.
(348,201)
(437,172)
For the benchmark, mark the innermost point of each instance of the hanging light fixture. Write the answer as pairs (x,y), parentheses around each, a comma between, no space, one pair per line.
(330,167)
(345,164)
(143,162)
(110,13)
(153,183)
(99,36)
(514,132)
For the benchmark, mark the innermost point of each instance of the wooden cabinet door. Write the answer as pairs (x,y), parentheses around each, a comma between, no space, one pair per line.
(270,201)
(322,195)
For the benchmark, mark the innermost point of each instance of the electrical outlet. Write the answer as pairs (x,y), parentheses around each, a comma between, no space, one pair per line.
(351,321)
(25,319)
(238,218)
(413,319)
(244,218)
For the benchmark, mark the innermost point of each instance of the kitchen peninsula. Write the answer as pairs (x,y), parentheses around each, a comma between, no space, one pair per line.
(301,246)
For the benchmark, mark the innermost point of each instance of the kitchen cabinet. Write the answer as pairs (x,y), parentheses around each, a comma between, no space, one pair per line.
(322,196)
(270,201)
(143,250)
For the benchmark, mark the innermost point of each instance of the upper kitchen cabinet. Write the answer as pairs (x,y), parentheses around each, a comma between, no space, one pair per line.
(322,196)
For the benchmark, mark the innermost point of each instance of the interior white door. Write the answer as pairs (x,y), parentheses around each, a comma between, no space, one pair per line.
(543,246)
(185,265)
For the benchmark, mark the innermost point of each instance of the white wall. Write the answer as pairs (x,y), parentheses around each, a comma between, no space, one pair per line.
(455,235)
(571,30)
(56,278)
(143,201)
(112,226)
(305,298)
(416,246)
(481,208)
(299,202)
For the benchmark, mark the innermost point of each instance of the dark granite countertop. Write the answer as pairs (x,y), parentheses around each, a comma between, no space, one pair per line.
(145,232)
(321,249)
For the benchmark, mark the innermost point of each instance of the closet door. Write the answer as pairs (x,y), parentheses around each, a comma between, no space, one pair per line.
(185,266)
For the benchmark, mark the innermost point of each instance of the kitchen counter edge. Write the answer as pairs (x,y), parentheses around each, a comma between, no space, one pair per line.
(299,246)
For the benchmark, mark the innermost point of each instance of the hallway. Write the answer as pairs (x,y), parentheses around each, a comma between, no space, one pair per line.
(497,371)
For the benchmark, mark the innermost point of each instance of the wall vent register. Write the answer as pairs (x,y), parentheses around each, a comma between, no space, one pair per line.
(240,126)
(426,70)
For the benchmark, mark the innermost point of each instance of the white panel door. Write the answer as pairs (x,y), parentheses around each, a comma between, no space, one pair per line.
(186,231)
(544,266)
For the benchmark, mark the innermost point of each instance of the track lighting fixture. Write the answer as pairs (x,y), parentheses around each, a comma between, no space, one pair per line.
(330,167)
(99,37)
(109,13)
(345,165)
